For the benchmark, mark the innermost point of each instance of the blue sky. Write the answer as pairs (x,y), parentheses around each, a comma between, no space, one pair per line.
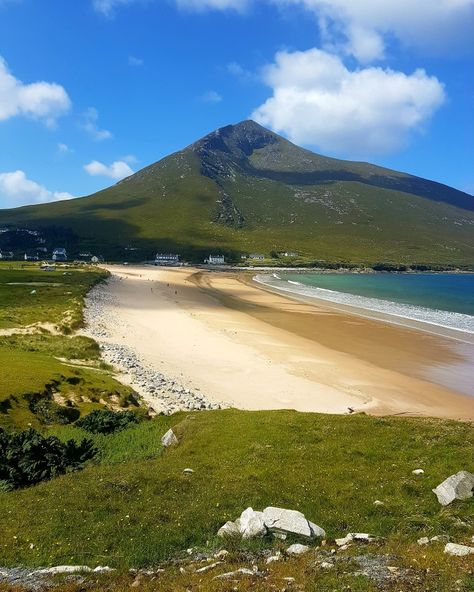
(91,90)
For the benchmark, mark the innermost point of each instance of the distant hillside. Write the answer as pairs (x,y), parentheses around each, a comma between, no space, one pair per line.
(244,189)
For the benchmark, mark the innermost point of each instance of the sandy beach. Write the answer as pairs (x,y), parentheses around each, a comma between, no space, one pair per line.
(220,334)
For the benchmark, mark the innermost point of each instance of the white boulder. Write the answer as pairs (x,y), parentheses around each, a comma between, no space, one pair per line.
(459,486)
(169,439)
(418,472)
(282,521)
(458,550)
(252,524)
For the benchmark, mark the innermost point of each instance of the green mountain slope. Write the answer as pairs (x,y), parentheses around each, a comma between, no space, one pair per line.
(243,189)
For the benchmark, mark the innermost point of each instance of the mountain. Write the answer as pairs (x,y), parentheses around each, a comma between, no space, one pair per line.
(246,189)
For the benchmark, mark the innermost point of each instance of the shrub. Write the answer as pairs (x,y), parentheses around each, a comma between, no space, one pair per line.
(27,458)
(103,421)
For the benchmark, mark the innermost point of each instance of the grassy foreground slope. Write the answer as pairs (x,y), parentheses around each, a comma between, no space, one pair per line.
(136,507)
(244,189)
(48,376)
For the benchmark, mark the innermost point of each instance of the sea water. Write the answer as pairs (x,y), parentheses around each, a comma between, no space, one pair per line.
(437,299)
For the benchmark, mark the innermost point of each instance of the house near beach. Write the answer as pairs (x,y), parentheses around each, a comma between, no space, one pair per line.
(257,256)
(215,260)
(59,254)
(166,259)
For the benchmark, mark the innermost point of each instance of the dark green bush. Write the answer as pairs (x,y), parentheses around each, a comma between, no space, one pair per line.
(103,421)
(27,458)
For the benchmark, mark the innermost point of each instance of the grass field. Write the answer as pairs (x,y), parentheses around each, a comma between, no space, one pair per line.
(135,507)
(44,372)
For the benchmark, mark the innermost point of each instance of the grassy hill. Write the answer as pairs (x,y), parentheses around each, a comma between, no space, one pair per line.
(245,189)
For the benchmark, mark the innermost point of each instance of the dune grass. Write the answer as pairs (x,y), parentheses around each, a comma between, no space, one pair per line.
(29,295)
(43,370)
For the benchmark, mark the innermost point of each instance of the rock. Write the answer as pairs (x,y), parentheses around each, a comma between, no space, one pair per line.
(62,569)
(297,549)
(326,565)
(423,541)
(280,520)
(221,554)
(458,550)
(378,503)
(252,524)
(418,472)
(169,439)
(317,531)
(208,567)
(230,529)
(355,536)
(459,486)
(188,471)
(440,538)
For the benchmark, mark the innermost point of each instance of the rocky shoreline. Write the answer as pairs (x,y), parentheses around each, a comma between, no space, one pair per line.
(163,394)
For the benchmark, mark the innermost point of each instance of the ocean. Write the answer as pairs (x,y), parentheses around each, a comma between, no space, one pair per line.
(438,299)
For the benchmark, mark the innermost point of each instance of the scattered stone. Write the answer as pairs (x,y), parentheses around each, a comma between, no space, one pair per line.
(459,486)
(252,524)
(363,537)
(418,472)
(423,541)
(458,550)
(62,569)
(440,538)
(326,565)
(284,521)
(297,549)
(231,574)
(378,503)
(169,439)
(208,567)
(273,558)
(188,471)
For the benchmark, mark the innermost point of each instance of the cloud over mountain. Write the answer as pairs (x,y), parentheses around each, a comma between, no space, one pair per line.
(17,190)
(317,100)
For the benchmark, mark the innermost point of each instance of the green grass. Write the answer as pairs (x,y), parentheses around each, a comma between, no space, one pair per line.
(57,298)
(136,507)
(51,369)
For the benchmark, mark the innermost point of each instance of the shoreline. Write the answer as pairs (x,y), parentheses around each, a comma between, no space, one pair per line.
(215,333)
(426,326)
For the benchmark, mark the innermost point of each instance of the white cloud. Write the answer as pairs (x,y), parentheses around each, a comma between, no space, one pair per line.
(211,96)
(107,7)
(17,190)
(200,5)
(424,24)
(134,61)
(317,100)
(45,101)
(117,170)
(90,124)
(63,148)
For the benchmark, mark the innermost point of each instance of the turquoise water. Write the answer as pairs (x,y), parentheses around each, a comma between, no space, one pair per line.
(446,300)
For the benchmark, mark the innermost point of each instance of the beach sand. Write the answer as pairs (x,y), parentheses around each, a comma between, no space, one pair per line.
(236,342)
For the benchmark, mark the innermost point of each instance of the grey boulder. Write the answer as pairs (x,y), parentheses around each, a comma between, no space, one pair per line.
(458,550)
(459,486)
(252,524)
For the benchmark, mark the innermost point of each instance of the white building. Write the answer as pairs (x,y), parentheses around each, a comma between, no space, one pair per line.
(59,254)
(215,260)
(257,256)
(166,259)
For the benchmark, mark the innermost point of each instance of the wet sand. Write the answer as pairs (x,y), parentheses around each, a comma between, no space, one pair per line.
(254,349)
